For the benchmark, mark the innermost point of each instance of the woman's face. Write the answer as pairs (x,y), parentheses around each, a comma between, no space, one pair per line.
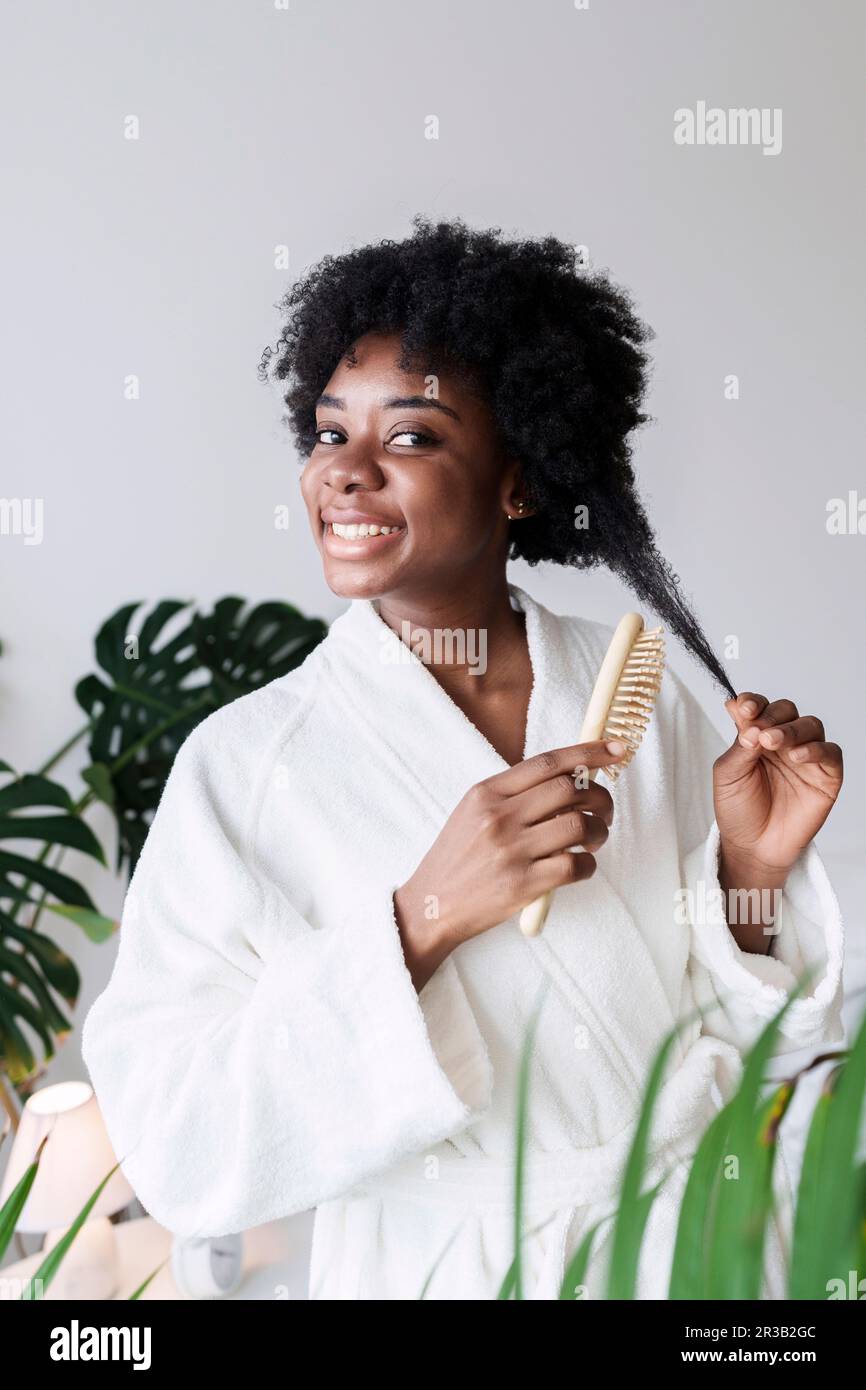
(417,455)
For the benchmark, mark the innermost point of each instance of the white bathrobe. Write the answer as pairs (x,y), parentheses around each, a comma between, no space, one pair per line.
(261,1050)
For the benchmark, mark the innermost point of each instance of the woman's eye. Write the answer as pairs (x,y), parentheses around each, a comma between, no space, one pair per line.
(326,434)
(412,434)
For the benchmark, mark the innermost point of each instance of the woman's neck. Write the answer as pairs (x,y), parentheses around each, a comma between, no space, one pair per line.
(475,645)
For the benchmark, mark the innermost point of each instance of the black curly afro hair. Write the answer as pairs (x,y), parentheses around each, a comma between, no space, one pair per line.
(558,352)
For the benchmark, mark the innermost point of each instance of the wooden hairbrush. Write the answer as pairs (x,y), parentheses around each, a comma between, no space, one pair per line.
(620,707)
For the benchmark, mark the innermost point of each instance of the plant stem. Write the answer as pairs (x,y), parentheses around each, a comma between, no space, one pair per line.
(31,926)
(61,752)
(8,1105)
(135,748)
(131,693)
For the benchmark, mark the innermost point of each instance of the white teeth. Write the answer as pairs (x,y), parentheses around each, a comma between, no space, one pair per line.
(354,530)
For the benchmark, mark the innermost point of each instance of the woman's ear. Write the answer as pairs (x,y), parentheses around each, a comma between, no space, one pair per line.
(516,501)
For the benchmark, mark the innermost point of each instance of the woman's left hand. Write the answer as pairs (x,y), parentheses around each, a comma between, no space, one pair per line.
(774,787)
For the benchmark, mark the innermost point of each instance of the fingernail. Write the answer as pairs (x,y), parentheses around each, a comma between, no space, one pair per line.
(772,736)
(749,707)
(615,746)
(749,738)
(798,754)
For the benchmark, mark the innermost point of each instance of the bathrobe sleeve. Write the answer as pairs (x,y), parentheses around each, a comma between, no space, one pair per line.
(248,1065)
(739,990)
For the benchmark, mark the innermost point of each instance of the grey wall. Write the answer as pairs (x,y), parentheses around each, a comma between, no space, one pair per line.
(305,127)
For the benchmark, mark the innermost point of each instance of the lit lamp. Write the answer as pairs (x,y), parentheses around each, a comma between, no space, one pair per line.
(74,1161)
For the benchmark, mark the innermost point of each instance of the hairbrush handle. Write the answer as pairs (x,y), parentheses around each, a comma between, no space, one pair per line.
(533,917)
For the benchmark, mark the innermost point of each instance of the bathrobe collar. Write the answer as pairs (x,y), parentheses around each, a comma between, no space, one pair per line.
(393,678)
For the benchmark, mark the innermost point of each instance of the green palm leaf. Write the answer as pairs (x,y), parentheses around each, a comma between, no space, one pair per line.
(59,970)
(50,1265)
(141,1288)
(65,828)
(740,1215)
(32,968)
(575,1272)
(828,1222)
(689,1271)
(243,652)
(14,1205)
(634,1206)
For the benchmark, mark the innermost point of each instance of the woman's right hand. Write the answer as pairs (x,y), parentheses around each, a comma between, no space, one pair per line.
(507,842)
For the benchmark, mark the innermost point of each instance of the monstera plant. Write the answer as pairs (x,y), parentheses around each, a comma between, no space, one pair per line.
(160,673)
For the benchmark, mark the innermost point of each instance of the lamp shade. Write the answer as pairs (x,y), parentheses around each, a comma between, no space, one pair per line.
(74,1161)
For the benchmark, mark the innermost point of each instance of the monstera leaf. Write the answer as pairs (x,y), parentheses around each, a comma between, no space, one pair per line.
(243,653)
(34,809)
(157,685)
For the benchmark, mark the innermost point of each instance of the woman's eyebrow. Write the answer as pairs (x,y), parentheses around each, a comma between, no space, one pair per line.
(393,403)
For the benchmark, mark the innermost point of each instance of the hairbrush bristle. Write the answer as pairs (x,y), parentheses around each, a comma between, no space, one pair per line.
(635,695)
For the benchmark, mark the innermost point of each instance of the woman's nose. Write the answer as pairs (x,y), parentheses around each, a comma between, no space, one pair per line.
(354,465)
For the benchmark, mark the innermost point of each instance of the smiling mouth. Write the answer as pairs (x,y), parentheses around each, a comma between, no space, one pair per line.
(360,530)
(359,535)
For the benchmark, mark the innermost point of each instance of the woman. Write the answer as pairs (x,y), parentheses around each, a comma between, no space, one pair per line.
(321,990)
